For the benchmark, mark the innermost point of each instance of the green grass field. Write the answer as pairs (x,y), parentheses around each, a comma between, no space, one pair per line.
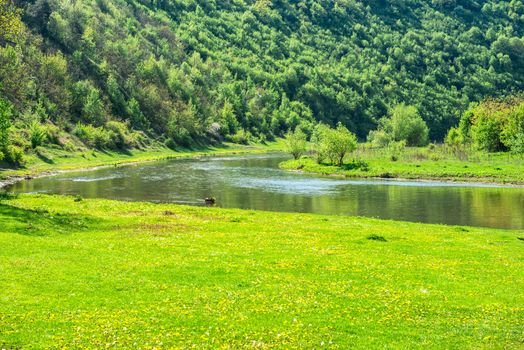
(421,164)
(97,273)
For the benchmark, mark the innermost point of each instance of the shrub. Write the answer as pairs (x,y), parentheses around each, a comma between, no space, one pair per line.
(15,155)
(93,136)
(53,134)
(407,125)
(333,144)
(379,138)
(69,146)
(5,123)
(404,124)
(170,143)
(295,143)
(486,134)
(11,154)
(513,131)
(396,149)
(122,136)
(453,138)
(181,136)
(493,125)
(319,145)
(241,137)
(37,134)
(456,143)
(339,142)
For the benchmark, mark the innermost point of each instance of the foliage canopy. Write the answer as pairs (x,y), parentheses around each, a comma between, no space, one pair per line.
(194,71)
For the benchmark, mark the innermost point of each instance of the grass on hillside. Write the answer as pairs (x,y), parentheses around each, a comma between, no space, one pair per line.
(421,163)
(98,273)
(49,159)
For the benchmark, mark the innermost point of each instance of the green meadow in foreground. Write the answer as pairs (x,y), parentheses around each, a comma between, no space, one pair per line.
(421,163)
(97,273)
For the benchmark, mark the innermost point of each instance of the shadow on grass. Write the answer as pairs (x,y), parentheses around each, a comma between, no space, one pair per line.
(354,165)
(200,148)
(44,158)
(42,222)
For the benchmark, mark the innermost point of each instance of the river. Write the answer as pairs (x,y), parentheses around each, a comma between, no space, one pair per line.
(256,182)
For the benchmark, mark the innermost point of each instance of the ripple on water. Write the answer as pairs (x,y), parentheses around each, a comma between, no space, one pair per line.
(308,187)
(91,178)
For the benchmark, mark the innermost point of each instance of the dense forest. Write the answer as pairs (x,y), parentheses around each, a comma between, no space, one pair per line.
(114,73)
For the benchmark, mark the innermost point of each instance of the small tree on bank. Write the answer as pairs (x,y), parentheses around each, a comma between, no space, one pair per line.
(319,146)
(493,125)
(339,142)
(295,143)
(404,124)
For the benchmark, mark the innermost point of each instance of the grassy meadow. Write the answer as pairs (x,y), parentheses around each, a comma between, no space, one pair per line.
(423,163)
(87,274)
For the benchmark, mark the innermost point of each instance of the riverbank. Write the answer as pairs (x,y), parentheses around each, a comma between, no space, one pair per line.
(98,273)
(418,164)
(57,161)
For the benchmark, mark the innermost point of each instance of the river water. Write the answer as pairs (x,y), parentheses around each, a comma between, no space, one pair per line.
(256,182)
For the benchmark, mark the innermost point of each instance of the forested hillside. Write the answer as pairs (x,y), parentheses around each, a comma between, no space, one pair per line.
(192,71)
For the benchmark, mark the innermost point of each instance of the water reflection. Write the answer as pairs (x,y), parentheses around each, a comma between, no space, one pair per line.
(255,182)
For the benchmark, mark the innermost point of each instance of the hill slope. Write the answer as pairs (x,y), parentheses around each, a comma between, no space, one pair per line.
(189,70)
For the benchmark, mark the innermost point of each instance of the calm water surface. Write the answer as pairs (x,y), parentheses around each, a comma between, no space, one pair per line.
(255,182)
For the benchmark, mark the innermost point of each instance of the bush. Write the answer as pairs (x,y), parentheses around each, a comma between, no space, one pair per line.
(513,130)
(94,137)
(319,146)
(37,134)
(295,143)
(15,155)
(404,124)
(339,142)
(8,152)
(69,146)
(242,137)
(181,137)
(493,126)
(170,143)
(122,136)
(333,144)
(486,134)
(456,143)
(379,138)
(396,149)
(6,113)
(453,138)
(52,134)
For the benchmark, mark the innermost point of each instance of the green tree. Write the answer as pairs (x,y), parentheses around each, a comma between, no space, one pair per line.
(296,143)
(10,23)
(228,121)
(486,134)
(513,130)
(94,108)
(136,117)
(404,124)
(37,134)
(319,142)
(339,142)
(5,124)
(482,124)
